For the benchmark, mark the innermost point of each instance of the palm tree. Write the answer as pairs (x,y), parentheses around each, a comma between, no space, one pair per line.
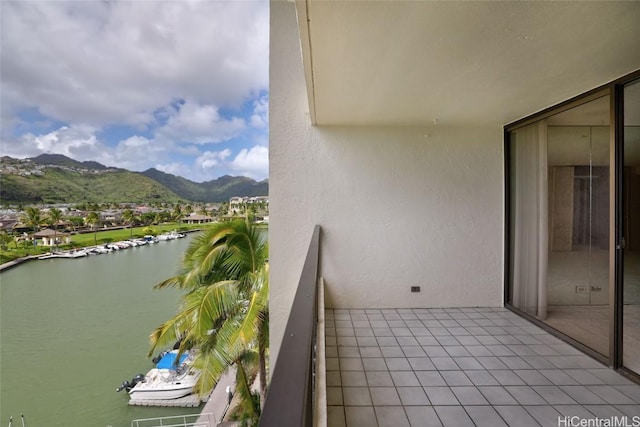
(178,214)
(129,218)
(53,218)
(32,218)
(224,311)
(92,220)
(248,408)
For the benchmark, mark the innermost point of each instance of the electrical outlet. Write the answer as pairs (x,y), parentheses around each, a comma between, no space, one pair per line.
(582,289)
(415,289)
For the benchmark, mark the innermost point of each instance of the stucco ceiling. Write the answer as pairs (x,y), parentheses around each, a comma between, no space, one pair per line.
(416,62)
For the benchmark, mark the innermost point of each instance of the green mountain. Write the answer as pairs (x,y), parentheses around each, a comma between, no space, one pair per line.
(61,160)
(218,190)
(54,178)
(58,185)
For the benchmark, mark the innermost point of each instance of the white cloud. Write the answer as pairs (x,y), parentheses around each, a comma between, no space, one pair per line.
(105,62)
(211,159)
(138,153)
(260,117)
(175,168)
(200,124)
(253,163)
(91,67)
(75,141)
(135,142)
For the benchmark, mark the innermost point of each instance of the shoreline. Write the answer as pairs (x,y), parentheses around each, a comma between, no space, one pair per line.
(18,261)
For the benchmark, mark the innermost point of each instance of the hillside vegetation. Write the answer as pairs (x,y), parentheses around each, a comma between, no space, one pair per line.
(54,178)
(63,186)
(218,190)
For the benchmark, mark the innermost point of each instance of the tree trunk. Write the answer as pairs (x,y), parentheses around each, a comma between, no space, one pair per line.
(262,361)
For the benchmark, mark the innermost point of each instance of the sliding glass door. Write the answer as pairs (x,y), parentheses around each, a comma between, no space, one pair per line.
(559,221)
(573,221)
(631,228)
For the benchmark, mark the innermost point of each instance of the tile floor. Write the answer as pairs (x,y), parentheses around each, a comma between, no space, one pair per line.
(463,367)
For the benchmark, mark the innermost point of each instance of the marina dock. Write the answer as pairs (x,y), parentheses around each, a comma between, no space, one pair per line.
(10,264)
(190,401)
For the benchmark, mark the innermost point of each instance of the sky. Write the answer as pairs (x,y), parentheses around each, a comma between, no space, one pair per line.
(181,86)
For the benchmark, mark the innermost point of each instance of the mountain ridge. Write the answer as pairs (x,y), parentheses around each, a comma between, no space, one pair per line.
(55,178)
(220,189)
(62,160)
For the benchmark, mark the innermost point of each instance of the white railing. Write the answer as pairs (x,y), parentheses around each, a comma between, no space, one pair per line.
(191,420)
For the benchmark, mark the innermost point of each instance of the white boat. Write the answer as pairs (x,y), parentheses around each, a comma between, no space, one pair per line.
(150,239)
(123,244)
(97,250)
(170,236)
(76,253)
(168,380)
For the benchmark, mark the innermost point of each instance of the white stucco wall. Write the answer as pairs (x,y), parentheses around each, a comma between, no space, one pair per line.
(399,207)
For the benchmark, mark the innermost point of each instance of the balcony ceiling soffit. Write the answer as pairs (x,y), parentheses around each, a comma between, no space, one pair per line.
(408,63)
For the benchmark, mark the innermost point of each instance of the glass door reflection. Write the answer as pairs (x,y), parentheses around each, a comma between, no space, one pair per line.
(631,228)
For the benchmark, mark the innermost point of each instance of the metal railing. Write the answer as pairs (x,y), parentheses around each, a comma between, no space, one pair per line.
(190,420)
(290,399)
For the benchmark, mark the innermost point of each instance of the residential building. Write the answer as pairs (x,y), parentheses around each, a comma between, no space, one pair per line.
(490,136)
(195,218)
(52,237)
(238,204)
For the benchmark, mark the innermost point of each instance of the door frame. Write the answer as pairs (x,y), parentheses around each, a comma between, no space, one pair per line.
(618,261)
(615,90)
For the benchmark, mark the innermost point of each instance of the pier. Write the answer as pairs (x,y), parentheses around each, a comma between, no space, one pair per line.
(190,401)
(13,263)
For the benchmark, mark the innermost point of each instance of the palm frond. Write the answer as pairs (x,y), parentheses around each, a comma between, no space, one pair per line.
(247,403)
(210,303)
(224,311)
(167,333)
(211,365)
(249,329)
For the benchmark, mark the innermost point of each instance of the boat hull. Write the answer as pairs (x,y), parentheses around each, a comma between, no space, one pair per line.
(168,393)
(164,384)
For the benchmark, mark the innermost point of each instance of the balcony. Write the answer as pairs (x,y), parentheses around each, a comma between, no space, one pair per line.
(462,367)
(434,367)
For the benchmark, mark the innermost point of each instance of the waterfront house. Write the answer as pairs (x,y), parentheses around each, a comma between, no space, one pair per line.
(492,138)
(8,222)
(197,219)
(51,237)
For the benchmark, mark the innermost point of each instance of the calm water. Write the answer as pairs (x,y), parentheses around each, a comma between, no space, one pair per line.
(71,330)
